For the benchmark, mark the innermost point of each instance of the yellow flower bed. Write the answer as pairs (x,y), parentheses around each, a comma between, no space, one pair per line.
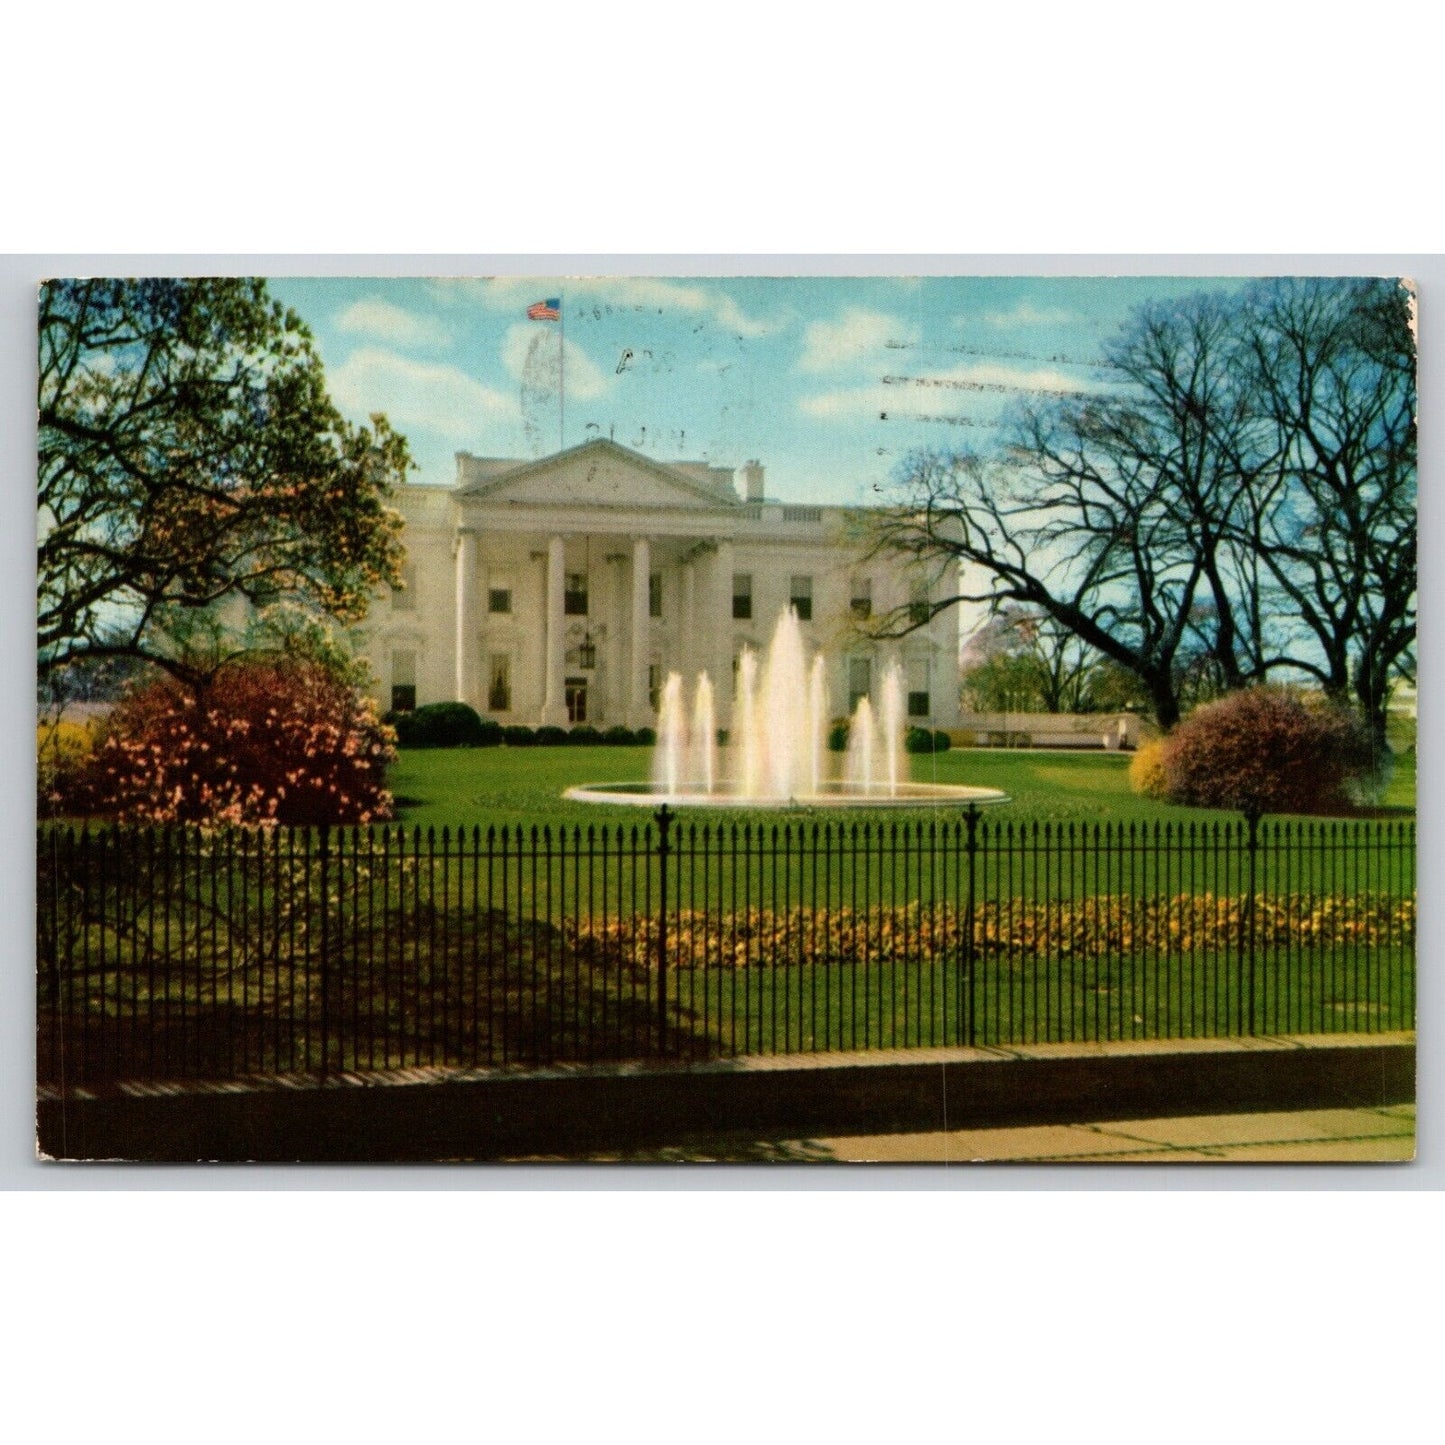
(1111,924)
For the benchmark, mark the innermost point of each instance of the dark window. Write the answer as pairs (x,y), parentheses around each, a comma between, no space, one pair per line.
(654,595)
(575,691)
(800,594)
(403,697)
(742,594)
(499,599)
(862,599)
(860,680)
(499,688)
(574,595)
(654,685)
(918,704)
(919,610)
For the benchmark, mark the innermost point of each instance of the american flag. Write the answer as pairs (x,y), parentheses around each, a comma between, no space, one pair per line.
(545,310)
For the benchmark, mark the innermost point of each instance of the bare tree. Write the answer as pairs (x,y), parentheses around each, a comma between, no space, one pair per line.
(1029,661)
(1239,503)
(1332,368)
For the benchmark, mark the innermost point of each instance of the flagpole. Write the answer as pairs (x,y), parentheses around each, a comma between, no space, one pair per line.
(562,374)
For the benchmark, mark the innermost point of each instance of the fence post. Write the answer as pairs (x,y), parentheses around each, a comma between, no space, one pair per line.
(323,857)
(665,818)
(1247,934)
(970,951)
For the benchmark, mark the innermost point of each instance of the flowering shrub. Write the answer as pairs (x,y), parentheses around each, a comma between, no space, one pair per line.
(274,742)
(1148,775)
(62,751)
(1114,924)
(1263,750)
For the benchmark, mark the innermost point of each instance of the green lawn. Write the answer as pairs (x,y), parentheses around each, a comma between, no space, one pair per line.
(196,952)
(523,786)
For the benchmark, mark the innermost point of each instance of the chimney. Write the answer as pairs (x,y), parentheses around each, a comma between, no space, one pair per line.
(750,481)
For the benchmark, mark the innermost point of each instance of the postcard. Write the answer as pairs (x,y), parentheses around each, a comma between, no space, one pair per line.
(922,719)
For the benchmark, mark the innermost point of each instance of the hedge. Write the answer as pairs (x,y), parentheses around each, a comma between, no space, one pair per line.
(444,725)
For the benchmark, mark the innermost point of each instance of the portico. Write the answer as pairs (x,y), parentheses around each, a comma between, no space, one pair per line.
(562,591)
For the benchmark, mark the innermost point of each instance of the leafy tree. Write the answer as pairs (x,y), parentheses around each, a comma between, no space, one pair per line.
(1022,661)
(190,456)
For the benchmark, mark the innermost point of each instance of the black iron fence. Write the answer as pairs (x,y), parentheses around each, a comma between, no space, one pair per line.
(191,953)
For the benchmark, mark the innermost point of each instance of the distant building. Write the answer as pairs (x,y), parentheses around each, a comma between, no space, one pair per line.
(563,591)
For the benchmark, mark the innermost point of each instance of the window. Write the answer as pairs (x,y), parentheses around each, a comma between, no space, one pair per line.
(860,680)
(861,601)
(654,595)
(403,598)
(919,610)
(800,594)
(499,599)
(654,685)
(919,700)
(574,595)
(499,683)
(742,594)
(575,692)
(403,681)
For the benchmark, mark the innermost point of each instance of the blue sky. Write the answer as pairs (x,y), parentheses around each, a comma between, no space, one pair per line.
(828,381)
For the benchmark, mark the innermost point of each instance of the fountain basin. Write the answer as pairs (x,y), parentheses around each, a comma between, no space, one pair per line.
(830,795)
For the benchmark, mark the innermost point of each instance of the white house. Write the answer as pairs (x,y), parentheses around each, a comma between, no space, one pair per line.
(563,590)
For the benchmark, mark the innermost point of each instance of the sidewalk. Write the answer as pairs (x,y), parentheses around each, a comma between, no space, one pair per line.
(1385,1134)
(1312,1136)
(1297,1098)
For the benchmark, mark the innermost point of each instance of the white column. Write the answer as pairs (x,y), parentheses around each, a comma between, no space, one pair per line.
(687,656)
(554,700)
(466,638)
(619,695)
(719,626)
(639,709)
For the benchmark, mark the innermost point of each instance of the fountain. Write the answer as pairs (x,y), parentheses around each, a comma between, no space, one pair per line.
(776,754)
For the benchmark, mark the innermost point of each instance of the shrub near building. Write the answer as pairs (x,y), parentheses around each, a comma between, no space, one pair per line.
(284,741)
(1263,750)
(444,725)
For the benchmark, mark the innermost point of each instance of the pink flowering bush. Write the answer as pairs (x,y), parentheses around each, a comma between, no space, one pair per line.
(284,741)
(1266,750)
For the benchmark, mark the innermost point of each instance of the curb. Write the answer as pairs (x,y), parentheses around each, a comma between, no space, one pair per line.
(435,1114)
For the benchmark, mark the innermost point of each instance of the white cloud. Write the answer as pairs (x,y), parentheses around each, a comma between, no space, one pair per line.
(371,316)
(1027,314)
(656,293)
(585,380)
(828,345)
(437,397)
(957,390)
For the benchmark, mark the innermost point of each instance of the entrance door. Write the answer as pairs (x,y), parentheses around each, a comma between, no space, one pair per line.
(575,692)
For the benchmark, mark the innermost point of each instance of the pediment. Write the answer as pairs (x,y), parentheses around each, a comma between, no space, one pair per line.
(598,473)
